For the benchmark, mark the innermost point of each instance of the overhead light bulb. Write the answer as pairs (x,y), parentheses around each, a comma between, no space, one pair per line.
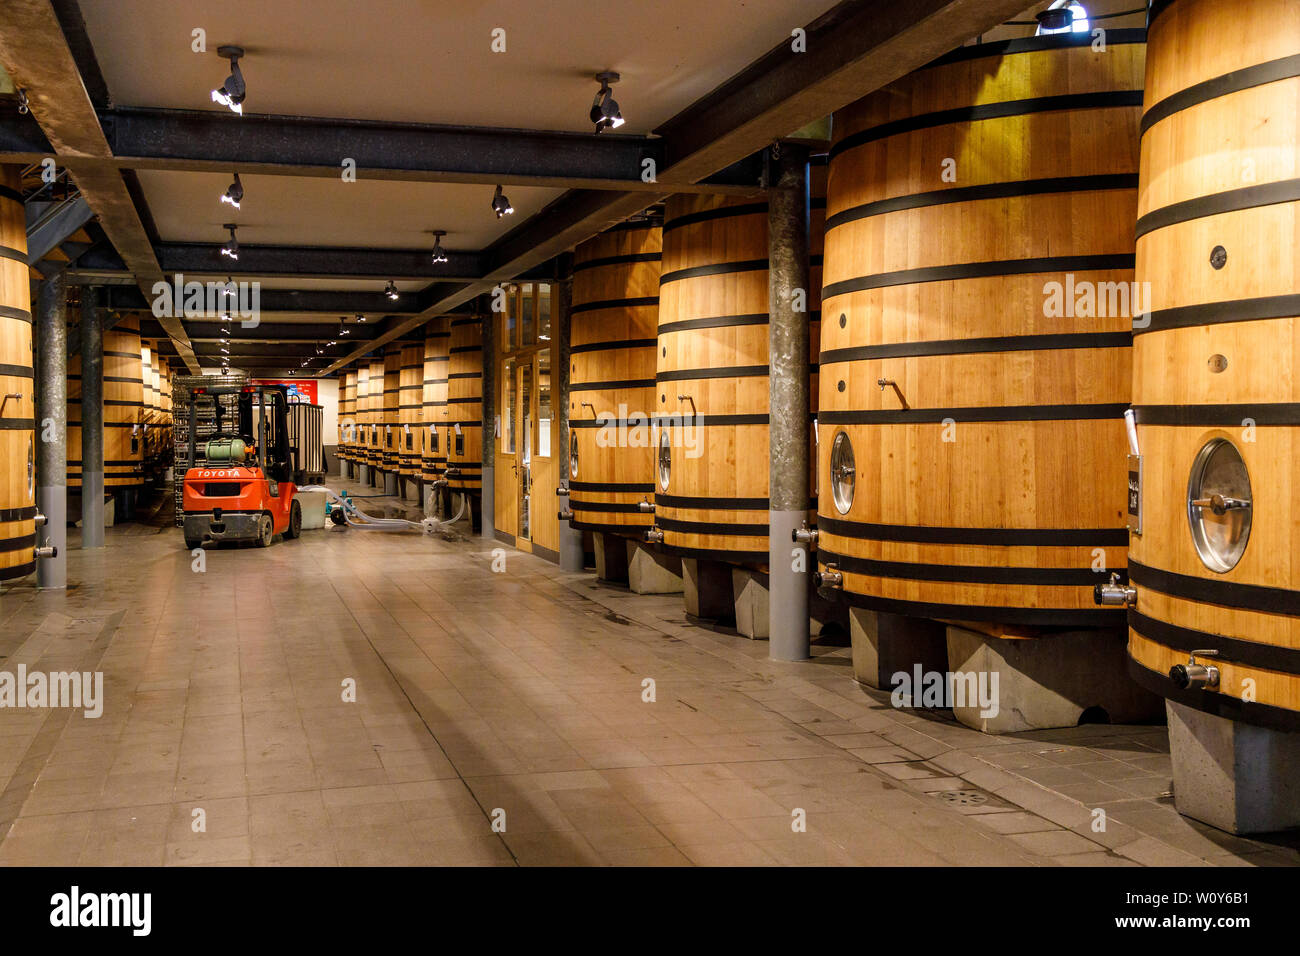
(231,93)
(501,205)
(234,193)
(439,254)
(604,108)
(231,249)
(360,317)
(229,288)
(390,290)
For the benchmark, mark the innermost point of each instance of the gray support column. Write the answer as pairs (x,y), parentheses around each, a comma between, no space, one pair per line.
(52,431)
(787,237)
(488,501)
(571,556)
(92,419)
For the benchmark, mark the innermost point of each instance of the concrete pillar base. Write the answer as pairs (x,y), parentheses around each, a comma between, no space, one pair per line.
(1049,682)
(391,485)
(571,556)
(487,498)
(706,589)
(52,501)
(1234,776)
(888,644)
(750,590)
(363,474)
(611,558)
(652,572)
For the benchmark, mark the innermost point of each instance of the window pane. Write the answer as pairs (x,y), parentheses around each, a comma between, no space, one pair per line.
(543,312)
(526,407)
(529,308)
(510,340)
(544,403)
(508,406)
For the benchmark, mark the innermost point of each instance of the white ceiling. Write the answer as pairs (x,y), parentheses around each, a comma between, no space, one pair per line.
(431,62)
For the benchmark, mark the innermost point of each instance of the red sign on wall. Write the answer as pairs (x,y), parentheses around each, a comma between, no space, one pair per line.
(300,389)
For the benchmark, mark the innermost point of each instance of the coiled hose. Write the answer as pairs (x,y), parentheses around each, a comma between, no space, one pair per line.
(356,518)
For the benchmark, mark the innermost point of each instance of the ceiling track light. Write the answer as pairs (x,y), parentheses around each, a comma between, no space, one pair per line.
(231,93)
(234,193)
(501,205)
(360,317)
(390,290)
(231,248)
(604,108)
(439,254)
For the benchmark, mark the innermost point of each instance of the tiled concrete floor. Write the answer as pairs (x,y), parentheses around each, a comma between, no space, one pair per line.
(514,697)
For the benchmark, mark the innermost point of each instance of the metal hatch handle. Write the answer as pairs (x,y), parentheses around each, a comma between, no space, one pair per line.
(1220,504)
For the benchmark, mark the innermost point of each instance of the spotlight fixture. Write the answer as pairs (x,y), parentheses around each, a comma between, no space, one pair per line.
(360,317)
(231,248)
(501,205)
(231,93)
(234,193)
(1063,16)
(225,370)
(228,290)
(439,254)
(343,326)
(390,290)
(604,109)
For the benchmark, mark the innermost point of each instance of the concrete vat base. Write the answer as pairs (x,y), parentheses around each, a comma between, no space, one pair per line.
(1048,682)
(888,644)
(611,558)
(652,572)
(1234,776)
(706,589)
(751,594)
(750,589)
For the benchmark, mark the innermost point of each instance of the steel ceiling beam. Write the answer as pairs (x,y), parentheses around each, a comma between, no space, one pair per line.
(851,50)
(210,141)
(37,56)
(317,261)
(325,302)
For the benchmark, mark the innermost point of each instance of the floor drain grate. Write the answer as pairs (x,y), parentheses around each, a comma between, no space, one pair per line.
(964,798)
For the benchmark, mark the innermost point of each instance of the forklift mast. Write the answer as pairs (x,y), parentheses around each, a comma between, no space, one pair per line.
(264,424)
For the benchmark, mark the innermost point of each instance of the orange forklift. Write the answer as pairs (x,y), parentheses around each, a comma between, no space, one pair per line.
(244,491)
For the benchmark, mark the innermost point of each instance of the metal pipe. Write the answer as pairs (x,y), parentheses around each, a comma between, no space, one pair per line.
(487,499)
(52,431)
(1115,594)
(1193,674)
(92,419)
(788,377)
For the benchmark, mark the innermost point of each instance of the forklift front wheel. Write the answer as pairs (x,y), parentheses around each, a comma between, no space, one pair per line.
(295,521)
(192,543)
(265,531)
